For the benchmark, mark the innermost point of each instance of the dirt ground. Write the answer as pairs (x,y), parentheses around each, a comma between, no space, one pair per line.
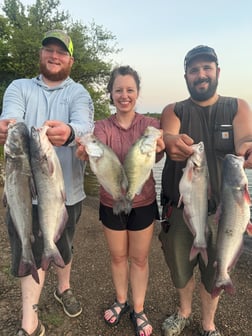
(91,281)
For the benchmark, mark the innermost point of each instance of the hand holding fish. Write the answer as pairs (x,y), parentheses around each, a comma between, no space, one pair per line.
(4,129)
(81,151)
(58,132)
(160,144)
(178,146)
(248,159)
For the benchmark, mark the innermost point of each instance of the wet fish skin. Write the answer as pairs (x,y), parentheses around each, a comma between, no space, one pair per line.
(18,191)
(108,169)
(233,217)
(193,188)
(139,162)
(51,197)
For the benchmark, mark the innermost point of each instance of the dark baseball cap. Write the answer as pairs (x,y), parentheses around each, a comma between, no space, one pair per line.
(61,36)
(200,50)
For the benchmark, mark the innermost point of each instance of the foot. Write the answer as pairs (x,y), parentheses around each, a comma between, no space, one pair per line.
(175,324)
(113,315)
(69,303)
(39,331)
(141,324)
(209,333)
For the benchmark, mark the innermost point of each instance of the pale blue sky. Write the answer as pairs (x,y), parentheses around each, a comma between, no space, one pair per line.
(155,36)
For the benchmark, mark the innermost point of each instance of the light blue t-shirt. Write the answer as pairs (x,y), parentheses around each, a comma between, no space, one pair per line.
(32,101)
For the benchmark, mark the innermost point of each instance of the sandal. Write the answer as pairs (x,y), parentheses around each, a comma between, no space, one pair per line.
(124,308)
(138,328)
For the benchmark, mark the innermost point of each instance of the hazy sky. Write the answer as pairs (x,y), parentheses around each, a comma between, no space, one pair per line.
(155,35)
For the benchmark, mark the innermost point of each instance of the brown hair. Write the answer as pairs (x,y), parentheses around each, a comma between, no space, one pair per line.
(123,71)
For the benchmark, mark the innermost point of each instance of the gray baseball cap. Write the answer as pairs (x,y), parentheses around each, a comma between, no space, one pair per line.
(200,50)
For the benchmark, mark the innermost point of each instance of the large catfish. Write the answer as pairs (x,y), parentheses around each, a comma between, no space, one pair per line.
(193,188)
(233,218)
(51,198)
(18,190)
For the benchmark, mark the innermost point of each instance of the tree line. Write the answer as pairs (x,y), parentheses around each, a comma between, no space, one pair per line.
(21,31)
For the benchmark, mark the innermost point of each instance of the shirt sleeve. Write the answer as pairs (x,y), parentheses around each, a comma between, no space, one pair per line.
(82,113)
(13,102)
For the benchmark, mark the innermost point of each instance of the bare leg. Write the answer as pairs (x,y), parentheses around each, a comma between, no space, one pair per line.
(185,297)
(139,247)
(118,248)
(31,292)
(209,307)
(63,277)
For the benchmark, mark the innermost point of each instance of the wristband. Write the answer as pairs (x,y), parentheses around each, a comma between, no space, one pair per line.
(71,136)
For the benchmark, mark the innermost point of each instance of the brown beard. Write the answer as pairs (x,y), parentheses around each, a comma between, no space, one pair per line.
(54,77)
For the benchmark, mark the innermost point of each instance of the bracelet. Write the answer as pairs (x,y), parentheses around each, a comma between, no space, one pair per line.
(71,136)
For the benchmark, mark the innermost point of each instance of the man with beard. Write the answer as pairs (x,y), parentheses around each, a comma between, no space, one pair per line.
(224,124)
(55,100)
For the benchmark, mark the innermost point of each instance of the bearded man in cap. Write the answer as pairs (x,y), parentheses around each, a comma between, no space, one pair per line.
(224,124)
(53,99)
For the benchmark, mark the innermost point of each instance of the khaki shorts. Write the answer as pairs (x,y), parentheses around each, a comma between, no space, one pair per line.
(177,243)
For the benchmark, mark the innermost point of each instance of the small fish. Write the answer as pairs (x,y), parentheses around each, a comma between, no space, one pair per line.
(108,169)
(18,192)
(233,217)
(51,197)
(193,188)
(139,162)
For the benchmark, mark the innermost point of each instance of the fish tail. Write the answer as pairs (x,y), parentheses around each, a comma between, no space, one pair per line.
(52,256)
(199,250)
(226,285)
(28,267)
(122,205)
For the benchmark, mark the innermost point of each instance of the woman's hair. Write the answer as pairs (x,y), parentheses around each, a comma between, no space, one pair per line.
(123,71)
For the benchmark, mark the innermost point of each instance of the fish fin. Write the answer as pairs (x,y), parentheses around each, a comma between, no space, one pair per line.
(4,199)
(180,201)
(199,250)
(50,164)
(249,229)
(61,226)
(121,205)
(53,255)
(247,196)
(28,267)
(226,285)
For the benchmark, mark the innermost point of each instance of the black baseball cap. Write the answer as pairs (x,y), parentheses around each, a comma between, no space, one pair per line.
(200,50)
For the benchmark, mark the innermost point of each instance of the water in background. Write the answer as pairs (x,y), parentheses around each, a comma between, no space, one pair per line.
(92,187)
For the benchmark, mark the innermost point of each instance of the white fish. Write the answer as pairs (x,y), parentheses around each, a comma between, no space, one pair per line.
(233,218)
(108,169)
(50,189)
(139,162)
(18,191)
(193,188)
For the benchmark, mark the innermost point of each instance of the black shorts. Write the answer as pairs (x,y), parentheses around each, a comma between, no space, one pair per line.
(64,244)
(138,219)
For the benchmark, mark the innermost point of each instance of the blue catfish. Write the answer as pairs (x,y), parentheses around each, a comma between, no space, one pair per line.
(233,217)
(51,197)
(193,188)
(18,191)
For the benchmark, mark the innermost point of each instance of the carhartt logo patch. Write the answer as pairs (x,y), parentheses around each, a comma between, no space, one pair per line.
(225,135)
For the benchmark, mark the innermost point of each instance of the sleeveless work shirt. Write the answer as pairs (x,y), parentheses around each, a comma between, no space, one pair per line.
(214,126)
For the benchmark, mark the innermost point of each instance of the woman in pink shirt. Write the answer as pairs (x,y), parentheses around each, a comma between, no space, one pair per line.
(130,238)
